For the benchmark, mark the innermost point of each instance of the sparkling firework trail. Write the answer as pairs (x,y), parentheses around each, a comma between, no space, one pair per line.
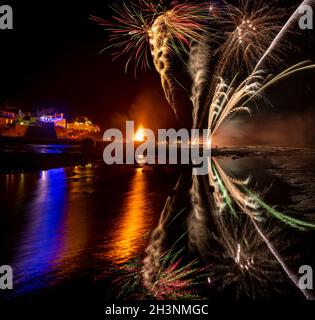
(228,100)
(293,19)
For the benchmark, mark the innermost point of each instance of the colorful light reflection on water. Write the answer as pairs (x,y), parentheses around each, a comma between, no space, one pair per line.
(42,239)
(72,222)
(133,225)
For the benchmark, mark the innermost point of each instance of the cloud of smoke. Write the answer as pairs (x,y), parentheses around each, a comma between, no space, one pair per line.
(148,109)
(269,129)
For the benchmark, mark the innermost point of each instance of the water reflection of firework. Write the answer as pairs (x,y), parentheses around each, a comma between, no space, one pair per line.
(165,271)
(176,279)
(240,259)
(167,274)
(233,196)
(159,237)
(243,262)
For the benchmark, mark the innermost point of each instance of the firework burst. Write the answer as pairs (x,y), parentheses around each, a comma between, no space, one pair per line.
(128,33)
(144,29)
(248,31)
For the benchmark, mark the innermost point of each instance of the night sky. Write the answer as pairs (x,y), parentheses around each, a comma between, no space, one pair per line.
(51,59)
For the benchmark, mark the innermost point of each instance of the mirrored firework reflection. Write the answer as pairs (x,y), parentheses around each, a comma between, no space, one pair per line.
(249,232)
(216,236)
(165,271)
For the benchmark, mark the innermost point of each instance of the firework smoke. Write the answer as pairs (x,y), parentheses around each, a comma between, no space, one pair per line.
(269,129)
(198,219)
(171,33)
(159,42)
(198,63)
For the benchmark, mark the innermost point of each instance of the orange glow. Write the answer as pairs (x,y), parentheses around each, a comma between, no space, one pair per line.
(139,136)
(129,231)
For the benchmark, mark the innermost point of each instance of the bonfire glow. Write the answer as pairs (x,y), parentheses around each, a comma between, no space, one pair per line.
(139,136)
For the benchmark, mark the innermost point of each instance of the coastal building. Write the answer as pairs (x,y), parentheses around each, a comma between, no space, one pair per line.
(7,116)
(48,116)
(84,125)
(45,122)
